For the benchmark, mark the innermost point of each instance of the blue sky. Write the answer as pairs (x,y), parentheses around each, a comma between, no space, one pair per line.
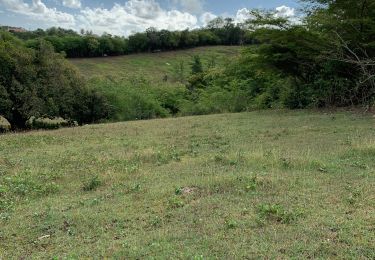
(128,16)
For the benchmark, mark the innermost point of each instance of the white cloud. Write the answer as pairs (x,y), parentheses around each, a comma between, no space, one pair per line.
(191,6)
(242,15)
(206,18)
(125,19)
(72,3)
(15,5)
(37,10)
(285,11)
(134,16)
(281,12)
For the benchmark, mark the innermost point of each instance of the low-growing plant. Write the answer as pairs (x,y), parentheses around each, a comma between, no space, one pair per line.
(48,123)
(276,213)
(252,184)
(178,191)
(354,194)
(286,163)
(92,184)
(176,202)
(231,224)
(156,222)
(136,187)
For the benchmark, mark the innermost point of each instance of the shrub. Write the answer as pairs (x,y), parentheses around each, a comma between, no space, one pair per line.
(48,123)
(135,101)
(5,126)
(39,82)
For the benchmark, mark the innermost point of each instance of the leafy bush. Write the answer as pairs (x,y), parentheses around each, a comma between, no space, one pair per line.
(49,123)
(42,83)
(138,99)
(5,126)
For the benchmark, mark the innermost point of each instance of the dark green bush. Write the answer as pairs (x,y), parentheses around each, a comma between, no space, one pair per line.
(42,83)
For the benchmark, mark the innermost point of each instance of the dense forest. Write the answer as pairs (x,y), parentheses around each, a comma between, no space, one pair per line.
(324,58)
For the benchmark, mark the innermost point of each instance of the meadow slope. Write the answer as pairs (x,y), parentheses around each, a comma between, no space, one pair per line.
(153,66)
(269,184)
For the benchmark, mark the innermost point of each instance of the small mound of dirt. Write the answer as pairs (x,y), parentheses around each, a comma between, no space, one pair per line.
(188,190)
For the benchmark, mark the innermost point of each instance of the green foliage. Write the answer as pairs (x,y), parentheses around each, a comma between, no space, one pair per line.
(41,83)
(327,58)
(196,65)
(48,123)
(87,44)
(277,213)
(138,100)
(176,202)
(5,126)
(92,184)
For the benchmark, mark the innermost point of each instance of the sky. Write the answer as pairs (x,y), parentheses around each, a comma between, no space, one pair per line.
(124,17)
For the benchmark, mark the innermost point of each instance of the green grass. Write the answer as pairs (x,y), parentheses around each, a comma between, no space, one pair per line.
(269,184)
(152,66)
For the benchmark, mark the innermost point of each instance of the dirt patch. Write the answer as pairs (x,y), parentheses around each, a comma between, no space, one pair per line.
(188,190)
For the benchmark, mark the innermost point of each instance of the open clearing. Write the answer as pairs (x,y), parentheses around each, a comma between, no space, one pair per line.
(152,66)
(269,184)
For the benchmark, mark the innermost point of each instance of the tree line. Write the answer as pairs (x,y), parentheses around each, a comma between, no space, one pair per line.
(220,31)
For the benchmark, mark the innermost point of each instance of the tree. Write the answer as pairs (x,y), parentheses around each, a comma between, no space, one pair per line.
(154,42)
(92,44)
(39,82)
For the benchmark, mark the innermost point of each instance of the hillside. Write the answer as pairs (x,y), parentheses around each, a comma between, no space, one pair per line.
(154,85)
(152,66)
(275,184)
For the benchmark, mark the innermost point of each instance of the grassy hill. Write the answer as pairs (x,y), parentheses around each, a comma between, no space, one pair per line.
(152,66)
(273,184)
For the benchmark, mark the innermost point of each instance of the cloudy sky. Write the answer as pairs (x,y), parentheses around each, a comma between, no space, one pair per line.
(123,17)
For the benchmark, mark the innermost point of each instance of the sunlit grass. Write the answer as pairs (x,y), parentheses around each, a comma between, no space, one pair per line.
(269,184)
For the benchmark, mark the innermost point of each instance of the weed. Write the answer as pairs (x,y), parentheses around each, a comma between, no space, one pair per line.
(178,191)
(92,184)
(231,224)
(156,222)
(252,184)
(136,187)
(354,194)
(286,163)
(276,213)
(176,202)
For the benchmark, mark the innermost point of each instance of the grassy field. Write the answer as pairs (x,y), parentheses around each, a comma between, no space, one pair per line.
(272,184)
(152,66)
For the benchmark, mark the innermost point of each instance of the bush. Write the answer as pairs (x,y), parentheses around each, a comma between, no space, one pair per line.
(5,126)
(136,100)
(42,83)
(48,123)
